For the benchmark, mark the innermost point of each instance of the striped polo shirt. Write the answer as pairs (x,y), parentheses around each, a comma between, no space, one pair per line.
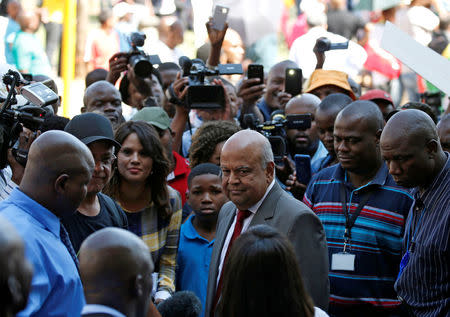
(376,238)
(425,281)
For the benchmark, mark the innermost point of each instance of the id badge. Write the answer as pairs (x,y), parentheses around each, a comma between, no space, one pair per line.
(343,261)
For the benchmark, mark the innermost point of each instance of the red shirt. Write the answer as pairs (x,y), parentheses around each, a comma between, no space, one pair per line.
(180,175)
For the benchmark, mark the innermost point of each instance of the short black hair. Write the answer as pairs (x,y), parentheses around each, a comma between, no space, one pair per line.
(95,75)
(337,100)
(421,106)
(202,169)
(54,123)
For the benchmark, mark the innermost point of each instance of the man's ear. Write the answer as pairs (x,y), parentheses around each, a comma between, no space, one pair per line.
(432,147)
(378,136)
(60,183)
(270,168)
(139,287)
(83,109)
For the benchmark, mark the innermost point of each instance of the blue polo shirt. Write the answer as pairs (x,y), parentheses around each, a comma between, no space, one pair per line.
(194,256)
(56,288)
(266,111)
(376,238)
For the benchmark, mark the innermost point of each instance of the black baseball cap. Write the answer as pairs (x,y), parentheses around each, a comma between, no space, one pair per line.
(90,127)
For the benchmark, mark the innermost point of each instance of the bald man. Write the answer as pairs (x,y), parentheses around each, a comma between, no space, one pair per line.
(54,183)
(256,198)
(116,269)
(15,271)
(305,141)
(275,97)
(363,212)
(444,132)
(103,98)
(411,148)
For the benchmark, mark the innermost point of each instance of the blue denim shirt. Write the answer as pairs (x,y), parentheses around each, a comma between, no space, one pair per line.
(56,288)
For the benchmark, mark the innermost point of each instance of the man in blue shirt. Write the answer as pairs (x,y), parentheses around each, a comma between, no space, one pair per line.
(54,183)
(363,212)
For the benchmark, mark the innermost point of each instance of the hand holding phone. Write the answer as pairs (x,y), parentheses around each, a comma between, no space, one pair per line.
(256,71)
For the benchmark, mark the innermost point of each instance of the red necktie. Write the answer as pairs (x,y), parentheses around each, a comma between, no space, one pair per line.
(241,216)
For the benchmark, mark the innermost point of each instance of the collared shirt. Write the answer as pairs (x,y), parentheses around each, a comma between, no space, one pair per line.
(376,237)
(318,157)
(161,236)
(424,283)
(194,256)
(56,288)
(94,309)
(253,209)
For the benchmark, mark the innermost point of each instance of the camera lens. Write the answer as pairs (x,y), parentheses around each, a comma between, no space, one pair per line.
(141,65)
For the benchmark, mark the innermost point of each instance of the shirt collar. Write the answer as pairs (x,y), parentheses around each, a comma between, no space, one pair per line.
(44,216)
(94,308)
(436,182)
(379,179)
(253,209)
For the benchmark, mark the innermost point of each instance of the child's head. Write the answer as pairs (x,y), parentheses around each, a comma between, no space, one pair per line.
(206,195)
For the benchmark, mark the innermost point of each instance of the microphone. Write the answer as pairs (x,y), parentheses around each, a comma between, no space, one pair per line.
(181,304)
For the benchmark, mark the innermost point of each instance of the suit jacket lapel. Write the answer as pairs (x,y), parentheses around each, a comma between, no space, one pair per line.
(267,209)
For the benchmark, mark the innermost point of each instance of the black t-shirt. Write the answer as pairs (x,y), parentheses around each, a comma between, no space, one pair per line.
(80,226)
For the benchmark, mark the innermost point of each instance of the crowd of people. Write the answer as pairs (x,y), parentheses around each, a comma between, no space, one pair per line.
(173,196)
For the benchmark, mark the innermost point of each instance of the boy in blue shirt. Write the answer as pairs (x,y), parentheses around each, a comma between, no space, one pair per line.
(206,197)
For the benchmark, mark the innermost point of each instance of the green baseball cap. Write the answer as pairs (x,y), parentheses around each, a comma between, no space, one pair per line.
(154,115)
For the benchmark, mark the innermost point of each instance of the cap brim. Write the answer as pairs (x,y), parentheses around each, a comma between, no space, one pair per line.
(91,139)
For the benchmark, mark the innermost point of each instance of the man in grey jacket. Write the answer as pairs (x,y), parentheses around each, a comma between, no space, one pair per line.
(248,180)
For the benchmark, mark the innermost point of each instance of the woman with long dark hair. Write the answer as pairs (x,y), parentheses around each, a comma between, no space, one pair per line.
(262,278)
(153,208)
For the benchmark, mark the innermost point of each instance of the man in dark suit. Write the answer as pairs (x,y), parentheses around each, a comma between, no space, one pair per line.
(116,271)
(256,198)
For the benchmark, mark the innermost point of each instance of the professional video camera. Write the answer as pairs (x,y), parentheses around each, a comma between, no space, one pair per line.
(201,94)
(275,130)
(30,115)
(141,63)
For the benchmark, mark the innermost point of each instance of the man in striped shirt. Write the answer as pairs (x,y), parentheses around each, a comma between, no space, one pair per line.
(411,148)
(363,212)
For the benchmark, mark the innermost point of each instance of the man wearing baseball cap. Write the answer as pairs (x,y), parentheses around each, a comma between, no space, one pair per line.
(180,170)
(97,210)
(326,82)
(382,99)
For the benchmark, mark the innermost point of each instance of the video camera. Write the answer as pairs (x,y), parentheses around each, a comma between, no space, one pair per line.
(141,63)
(324,44)
(201,93)
(275,130)
(30,115)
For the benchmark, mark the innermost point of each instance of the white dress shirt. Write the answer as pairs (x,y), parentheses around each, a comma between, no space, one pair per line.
(253,209)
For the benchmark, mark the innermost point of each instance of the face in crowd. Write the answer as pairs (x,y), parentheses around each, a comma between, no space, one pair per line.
(246,172)
(103,98)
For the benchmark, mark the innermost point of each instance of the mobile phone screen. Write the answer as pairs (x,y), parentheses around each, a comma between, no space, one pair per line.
(303,168)
(293,81)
